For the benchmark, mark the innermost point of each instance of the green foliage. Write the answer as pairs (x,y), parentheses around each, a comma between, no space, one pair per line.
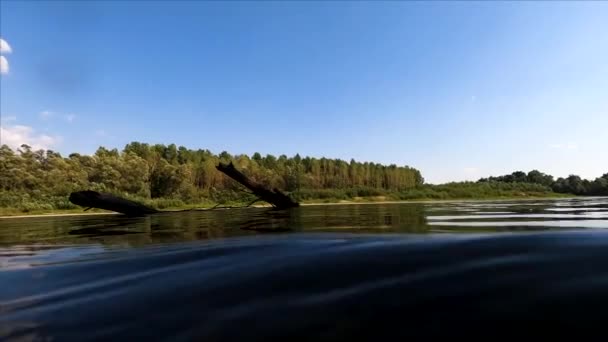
(571,185)
(461,190)
(164,203)
(170,176)
(26,202)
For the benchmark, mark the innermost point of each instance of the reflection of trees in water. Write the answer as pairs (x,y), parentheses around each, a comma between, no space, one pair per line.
(273,221)
(110,229)
(376,218)
(201,225)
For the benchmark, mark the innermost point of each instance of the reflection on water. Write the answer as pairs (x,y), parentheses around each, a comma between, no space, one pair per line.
(28,240)
(201,225)
(307,273)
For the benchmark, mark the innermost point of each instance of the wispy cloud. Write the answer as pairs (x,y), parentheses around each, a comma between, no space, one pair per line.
(16,135)
(46,114)
(4,47)
(3,65)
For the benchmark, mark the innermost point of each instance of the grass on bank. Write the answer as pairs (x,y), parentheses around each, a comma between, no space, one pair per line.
(12,204)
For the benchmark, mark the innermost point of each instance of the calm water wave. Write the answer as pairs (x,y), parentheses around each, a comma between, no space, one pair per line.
(314,273)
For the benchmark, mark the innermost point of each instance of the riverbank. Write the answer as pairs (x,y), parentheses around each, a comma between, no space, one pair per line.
(17,213)
(459,200)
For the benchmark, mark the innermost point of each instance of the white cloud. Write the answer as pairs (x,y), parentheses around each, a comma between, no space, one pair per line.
(17,135)
(470,170)
(46,114)
(70,118)
(566,146)
(4,47)
(3,65)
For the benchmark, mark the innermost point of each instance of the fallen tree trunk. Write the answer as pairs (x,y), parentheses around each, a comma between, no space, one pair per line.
(93,199)
(272,196)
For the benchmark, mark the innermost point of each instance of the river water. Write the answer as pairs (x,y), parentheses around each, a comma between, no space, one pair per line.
(325,272)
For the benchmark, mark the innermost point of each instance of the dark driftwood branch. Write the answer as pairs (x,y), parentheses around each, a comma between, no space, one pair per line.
(93,199)
(274,196)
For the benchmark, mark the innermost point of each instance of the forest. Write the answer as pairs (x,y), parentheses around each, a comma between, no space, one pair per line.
(573,184)
(167,176)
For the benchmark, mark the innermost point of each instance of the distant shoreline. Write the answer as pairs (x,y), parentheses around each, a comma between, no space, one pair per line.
(79,212)
(444,201)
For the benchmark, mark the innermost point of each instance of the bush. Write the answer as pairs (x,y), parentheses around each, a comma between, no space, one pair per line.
(31,206)
(322,194)
(38,200)
(163,203)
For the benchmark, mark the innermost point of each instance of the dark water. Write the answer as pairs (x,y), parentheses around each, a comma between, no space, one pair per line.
(314,273)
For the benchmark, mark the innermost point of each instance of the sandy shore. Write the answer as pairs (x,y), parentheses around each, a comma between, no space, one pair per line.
(444,201)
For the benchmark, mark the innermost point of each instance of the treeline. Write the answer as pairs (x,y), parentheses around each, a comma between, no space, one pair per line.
(169,176)
(571,185)
(169,172)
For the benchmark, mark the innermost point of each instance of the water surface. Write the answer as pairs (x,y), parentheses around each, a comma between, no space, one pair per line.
(28,241)
(330,272)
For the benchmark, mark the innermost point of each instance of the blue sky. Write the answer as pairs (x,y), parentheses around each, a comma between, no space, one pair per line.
(458,90)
